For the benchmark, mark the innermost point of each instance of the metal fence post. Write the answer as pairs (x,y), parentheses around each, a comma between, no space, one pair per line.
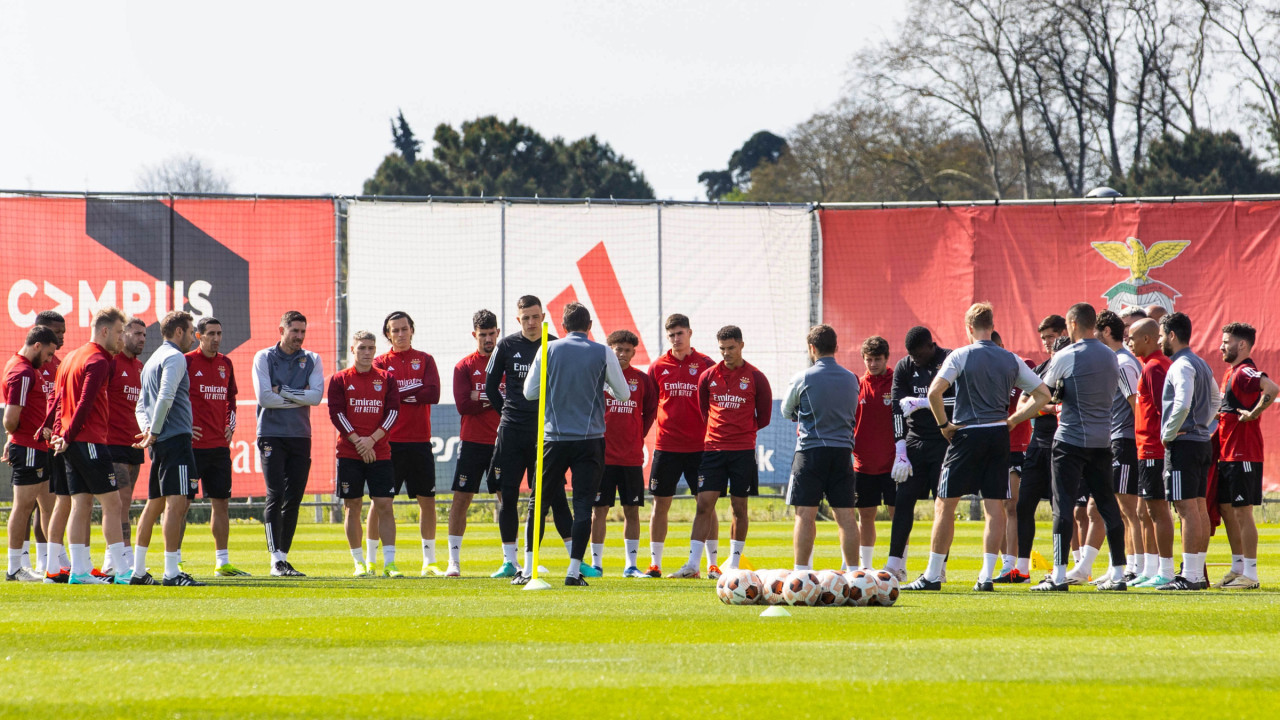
(662,332)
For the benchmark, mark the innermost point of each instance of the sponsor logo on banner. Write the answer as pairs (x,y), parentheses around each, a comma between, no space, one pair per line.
(607,303)
(1140,289)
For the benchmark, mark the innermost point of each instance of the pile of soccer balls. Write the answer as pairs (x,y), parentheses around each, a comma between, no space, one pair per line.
(825,588)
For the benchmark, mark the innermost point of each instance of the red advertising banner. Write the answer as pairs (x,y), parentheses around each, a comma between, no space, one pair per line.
(243,261)
(886,270)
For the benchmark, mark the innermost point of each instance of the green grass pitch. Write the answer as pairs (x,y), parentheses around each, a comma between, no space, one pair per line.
(330,645)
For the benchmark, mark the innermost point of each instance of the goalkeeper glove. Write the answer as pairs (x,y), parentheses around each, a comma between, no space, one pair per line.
(901,465)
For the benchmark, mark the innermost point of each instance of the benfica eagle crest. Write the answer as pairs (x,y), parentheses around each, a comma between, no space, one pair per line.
(1139,289)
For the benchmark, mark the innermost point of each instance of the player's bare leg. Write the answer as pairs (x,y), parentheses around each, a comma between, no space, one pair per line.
(802,537)
(847,530)
(1009,548)
(385,515)
(658,533)
(867,537)
(126,478)
(24,502)
(427,519)
(457,528)
(737,532)
(703,520)
(1133,539)
(374,534)
(55,531)
(352,508)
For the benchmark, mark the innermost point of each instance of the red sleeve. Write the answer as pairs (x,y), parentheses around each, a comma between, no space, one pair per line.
(764,400)
(96,374)
(429,392)
(338,401)
(649,411)
(391,403)
(13,389)
(704,393)
(1250,380)
(55,407)
(462,392)
(231,393)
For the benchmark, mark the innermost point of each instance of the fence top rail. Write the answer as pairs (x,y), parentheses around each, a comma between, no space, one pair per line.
(1157,200)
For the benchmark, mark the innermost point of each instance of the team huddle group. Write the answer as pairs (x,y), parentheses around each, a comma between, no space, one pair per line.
(1121,420)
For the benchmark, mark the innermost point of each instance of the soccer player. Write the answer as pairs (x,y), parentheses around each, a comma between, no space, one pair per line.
(1019,440)
(737,402)
(1111,331)
(873,446)
(515,453)
(163,413)
(287,382)
(1035,481)
(1246,393)
(1087,376)
(479,431)
(25,448)
(918,446)
(364,402)
(79,423)
(626,424)
(59,569)
(678,450)
(412,458)
(1153,504)
(1156,312)
(977,457)
(1191,406)
(824,400)
(213,412)
(122,433)
(577,369)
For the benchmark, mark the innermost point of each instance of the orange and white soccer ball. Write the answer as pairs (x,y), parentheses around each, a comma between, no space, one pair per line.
(740,587)
(833,591)
(886,589)
(801,588)
(863,586)
(773,583)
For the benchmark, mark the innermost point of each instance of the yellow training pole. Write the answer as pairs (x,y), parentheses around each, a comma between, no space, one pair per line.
(535,485)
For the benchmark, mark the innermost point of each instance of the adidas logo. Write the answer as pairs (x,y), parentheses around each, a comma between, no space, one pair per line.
(1239,498)
(477,373)
(666,372)
(713,383)
(516,355)
(199,374)
(351,387)
(124,373)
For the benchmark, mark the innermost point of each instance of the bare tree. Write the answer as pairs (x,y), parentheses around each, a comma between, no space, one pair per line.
(1254,35)
(181,173)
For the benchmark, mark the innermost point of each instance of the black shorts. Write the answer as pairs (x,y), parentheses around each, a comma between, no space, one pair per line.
(731,470)
(1151,479)
(126,454)
(57,472)
(1016,460)
(926,468)
(1037,473)
(821,472)
(355,477)
(669,467)
(213,467)
(29,465)
(515,454)
(173,468)
(874,490)
(474,463)
(1239,483)
(977,462)
(1124,466)
(89,469)
(624,481)
(1186,469)
(414,465)
(1079,472)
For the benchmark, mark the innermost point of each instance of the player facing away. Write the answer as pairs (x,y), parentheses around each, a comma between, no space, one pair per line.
(918,446)
(287,382)
(25,448)
(823,400)
(977,456)
(736,401)
(1246,393)
(873,445)
(79,424)
(577,369)
(122,391)
(1124,449)
(213,413)
(412,457)
(479,431)
(1019,440)
(677,452)
(1087,376)
(364,403)
(1190,416)
(166,426)
(515,453)
(1153,504)
(626,423)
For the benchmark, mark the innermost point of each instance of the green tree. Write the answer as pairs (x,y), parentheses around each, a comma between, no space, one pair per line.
(403,138)
(761,148)
(1202,162)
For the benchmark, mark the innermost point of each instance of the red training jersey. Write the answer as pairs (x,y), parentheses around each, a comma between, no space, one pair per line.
(1020,436)
(418,382)
(360,403)
(873,434)
(736,403)
(122,399)
(213,398)
(626,422)
(24,388)
(82,407)
(1241,390)
(681,423)
(1148,418)
(479,419)
(49,375)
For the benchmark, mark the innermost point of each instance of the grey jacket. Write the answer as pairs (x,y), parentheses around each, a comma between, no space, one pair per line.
(576,372)
(164,404)
(1190,399)
(300,377)
(824,400)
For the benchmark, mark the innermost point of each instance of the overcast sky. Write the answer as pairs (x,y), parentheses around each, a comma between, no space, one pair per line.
(296,98)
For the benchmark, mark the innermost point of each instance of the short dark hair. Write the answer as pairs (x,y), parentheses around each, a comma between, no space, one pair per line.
(1061,342)
(1083,314)
(1056,323)
(484,320)
(292,317)
(823,339)
(1133,311)
(995,338)
(41,335)
(386,322)
(49,317)
(1108,320)
(576,317)
(676,320)
(108,316)
(918,338)
(1177,324)
(526,301)
(729,332)
(174,321)
(622,337)
(875,346)
(135,320)
(203,323)
(1242,331)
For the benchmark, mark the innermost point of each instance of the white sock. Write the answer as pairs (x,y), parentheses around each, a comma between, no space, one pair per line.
(528,562)
(107,561)
(115,553)
(42,555)
(575,568)
(937,563)
(53,558)
(25,560)
(81,563)
(64,560)
(455,550)
(568,545)
(221,557)
(893,564)
(128,557)
(1075,556)
(389,554)
(171,561)
(1166,567)
(1024,566)
(1150,565)
(370,551)
(1131,563)
(865,555)
(429,552)
(713,552)
(1007,563)
(1117,572)
(655,553)
(1201,558)
(988,566)
(597,554)
(15,560)
(278,556)
(1237,563)
(360,560)
(140,559)
(736,549)
(509,554)
(1189,566)
(803,567)
(1088,554)
(1251,568)
(695,552)
(633,549)
(1059,574)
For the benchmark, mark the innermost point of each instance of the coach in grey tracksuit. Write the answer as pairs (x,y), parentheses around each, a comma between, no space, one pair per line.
(577,369)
